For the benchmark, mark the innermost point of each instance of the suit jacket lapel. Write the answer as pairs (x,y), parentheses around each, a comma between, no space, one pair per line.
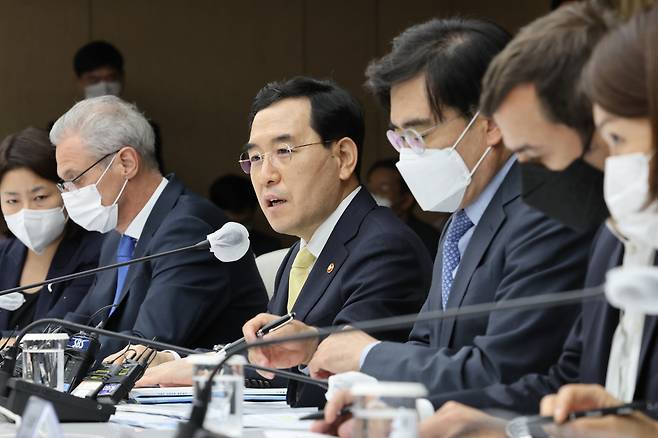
(12,276)
(334,251)
(58,267)
(485,231)
(164,205)
(278,305)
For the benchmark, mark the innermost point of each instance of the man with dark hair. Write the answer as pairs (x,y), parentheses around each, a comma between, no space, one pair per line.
(388,188)
(495,248)
(532,91)
(354,261)
(98,66)
(235,196)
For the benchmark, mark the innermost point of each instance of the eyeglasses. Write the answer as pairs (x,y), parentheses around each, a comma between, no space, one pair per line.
(416,140)
(69,185)
(409,138)
(278,157)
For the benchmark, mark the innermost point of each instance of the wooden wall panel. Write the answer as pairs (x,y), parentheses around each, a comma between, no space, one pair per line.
(37,41)
(195,65)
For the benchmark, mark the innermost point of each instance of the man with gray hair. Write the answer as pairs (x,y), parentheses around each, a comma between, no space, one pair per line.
(111,184)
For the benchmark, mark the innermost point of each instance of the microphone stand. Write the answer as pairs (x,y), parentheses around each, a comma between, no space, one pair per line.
(194,426)
(204,244)
(14,392)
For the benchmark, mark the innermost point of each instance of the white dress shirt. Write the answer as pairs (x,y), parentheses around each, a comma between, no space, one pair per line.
(136,227)
(320,237)
(624,360)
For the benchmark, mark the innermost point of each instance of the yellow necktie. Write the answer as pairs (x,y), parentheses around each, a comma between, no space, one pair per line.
(299,271)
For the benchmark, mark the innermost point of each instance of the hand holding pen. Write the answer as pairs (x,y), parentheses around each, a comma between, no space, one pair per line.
(271,326)
(286,355)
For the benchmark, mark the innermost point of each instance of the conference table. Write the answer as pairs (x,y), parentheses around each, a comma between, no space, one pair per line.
(260,419)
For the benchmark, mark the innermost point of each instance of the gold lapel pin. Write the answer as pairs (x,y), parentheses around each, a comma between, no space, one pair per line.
(330,268)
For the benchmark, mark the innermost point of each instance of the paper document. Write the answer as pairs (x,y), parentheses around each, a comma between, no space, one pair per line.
(185,394)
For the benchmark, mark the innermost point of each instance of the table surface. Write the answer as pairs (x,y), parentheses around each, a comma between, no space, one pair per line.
(260,419)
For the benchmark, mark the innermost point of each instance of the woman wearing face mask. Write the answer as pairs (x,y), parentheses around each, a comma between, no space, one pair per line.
(43,243)
(622,82)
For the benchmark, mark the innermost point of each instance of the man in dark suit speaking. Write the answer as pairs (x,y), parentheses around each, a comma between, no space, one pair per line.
(111,184)
(354,260)
(494,248)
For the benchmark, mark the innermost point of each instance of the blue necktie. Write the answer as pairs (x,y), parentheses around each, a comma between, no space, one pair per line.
(124,254)
(459,225)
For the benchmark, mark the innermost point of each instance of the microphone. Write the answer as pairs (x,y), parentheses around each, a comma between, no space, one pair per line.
(71,408)
(228,244)
(200,405)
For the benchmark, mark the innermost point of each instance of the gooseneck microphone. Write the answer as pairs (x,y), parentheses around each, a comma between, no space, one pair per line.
(228,244)
(72,408)
(194,426)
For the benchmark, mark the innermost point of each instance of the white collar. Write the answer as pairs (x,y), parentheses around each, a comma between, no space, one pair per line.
(321,235)
(136,227)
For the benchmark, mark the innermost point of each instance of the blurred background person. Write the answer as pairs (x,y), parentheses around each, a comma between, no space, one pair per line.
(236,197)
(389,190)
(99,70)
(43,243)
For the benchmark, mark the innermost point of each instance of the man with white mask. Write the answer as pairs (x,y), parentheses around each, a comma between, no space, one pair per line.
(111,184)
(494,248)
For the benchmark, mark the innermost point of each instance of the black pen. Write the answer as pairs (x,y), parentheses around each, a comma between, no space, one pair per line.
(625,409)
(319,415)
(267,328)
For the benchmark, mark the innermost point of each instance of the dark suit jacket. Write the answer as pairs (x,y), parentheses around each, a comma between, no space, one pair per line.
(586,352)
(427,233)
(78,251)
(515,251)
(380,269)
(190,299)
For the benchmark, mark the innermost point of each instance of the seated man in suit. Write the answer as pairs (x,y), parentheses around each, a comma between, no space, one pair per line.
(111,184)
(354,260)
(524,91)
(495,247)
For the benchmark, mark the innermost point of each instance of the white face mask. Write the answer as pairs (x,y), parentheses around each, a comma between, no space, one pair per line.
(37,228)
(103,88)
(382,201)
(86,209)
(626,192)
(438,178)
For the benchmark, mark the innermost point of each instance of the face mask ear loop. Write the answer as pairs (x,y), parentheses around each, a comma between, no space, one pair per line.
(106,169)
(121,191)
(481,160)
(459,139)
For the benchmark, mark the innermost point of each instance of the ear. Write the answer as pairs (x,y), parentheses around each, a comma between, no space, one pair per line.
(493,134)
(129,162)
(347,154)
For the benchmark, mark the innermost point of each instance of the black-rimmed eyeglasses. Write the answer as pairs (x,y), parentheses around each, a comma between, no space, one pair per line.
(69,185)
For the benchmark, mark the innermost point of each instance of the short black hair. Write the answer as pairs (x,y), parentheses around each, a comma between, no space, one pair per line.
(335,113)
(454,54)
(550,53)
(233,193)
(389,164)
(97,54)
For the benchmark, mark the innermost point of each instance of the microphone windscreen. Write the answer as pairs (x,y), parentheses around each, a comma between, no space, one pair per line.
(230,242)
(633,288)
